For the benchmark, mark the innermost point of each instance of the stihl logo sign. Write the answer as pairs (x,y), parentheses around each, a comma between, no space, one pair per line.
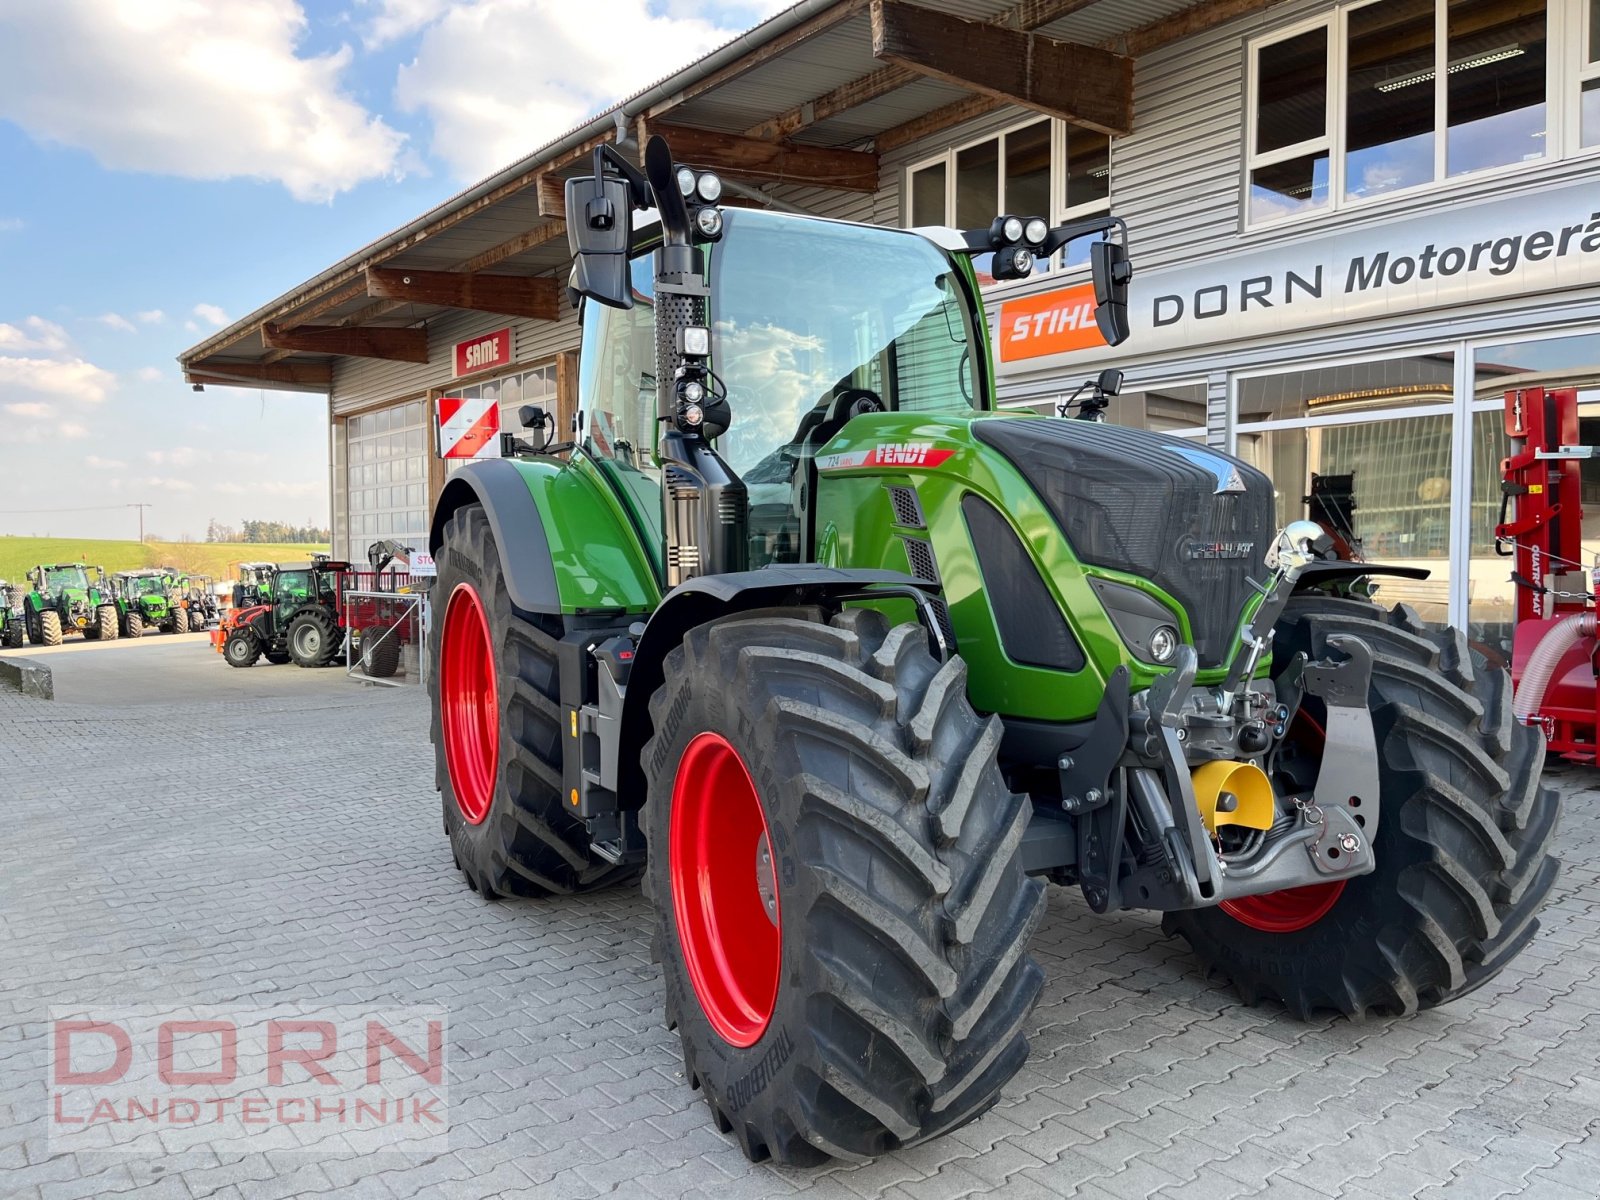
(1049,323)
(469,428)
(482,353)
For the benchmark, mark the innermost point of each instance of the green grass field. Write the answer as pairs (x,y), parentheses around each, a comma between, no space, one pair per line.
(18,555)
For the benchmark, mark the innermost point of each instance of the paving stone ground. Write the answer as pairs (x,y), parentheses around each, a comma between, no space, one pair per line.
(287,849)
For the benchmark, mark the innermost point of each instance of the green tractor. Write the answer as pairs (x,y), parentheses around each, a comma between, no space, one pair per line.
(150,598)
(66,598)
(10,617)
(849,665)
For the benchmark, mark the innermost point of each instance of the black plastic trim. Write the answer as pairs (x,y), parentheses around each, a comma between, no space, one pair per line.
(1033,630)
(1137,615)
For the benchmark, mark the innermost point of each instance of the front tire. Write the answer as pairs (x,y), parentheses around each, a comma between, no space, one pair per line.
(380,651)
(242,648)
(49,628)
(497,735)
(1463,848)
(841,913)
(180,620)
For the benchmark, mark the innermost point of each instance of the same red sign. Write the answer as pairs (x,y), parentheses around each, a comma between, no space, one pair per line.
(483,353)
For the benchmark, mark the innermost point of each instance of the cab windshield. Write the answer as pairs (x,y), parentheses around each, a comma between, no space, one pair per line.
(146,585)
(805,311)
(66,577)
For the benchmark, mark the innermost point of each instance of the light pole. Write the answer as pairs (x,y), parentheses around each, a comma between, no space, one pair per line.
(141,508)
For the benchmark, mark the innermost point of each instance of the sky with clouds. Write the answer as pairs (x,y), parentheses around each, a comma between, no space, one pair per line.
(169,165)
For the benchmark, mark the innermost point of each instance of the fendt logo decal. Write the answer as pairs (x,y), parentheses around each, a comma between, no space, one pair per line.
(891,454)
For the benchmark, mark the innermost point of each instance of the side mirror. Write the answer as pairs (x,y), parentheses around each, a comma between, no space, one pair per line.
(599,227)
(1112,271)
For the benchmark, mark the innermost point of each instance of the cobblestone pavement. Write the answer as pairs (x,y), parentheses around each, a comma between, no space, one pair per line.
(288,850)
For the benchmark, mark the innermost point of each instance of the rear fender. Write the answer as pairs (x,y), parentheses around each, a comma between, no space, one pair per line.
(566,545)
(709,598)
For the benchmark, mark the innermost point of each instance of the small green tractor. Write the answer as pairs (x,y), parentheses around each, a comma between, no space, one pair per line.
(849,665)
(10,617)
(66,598)
(302,623)
(149,599)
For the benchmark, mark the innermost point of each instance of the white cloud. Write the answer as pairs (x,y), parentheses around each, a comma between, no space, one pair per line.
(150,374)
(273,487)
(67,378)
(71,429)
(163,484)
(11,224)
(35,333)
(191,326)
(498,78)
(28,410)
(211,313)
(396,19)
(104,464)
(178,456)
(204,89)
(116,321)
(150,316)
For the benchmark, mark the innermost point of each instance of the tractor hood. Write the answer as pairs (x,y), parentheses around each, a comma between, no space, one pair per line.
(1192,520)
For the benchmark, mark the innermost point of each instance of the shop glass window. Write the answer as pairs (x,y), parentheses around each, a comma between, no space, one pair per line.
(1589,75)
(1043,168)
(1548,362)
(1424,91)
(1496,81)
(1346,446)
(382,448)
(1290,150)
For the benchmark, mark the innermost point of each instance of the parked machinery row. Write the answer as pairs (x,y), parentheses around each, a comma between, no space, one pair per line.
(305,612)
(66,598)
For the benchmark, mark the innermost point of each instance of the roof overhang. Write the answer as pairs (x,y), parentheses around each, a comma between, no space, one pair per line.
(813,96)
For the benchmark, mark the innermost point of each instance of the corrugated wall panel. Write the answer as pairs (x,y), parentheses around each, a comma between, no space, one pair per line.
(361,383)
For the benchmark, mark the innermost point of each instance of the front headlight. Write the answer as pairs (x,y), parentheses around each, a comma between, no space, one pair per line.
(1147,626)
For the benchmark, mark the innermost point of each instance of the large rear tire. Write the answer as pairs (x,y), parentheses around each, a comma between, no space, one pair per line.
(312,638)
(1463,847)
(497,734)
(841,913)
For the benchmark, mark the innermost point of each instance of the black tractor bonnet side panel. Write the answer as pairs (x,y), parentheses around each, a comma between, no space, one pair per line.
(1192,520)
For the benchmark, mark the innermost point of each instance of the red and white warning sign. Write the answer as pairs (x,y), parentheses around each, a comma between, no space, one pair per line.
(469,428)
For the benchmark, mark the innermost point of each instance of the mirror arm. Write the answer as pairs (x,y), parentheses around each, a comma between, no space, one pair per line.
(1063,234)
(638,185)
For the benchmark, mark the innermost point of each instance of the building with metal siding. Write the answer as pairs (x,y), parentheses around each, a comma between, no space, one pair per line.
(1390,388)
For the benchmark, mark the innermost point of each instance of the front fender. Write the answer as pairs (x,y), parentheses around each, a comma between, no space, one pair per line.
(707,598)
(565,544)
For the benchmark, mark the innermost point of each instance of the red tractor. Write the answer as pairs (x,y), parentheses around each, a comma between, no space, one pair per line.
(301,624)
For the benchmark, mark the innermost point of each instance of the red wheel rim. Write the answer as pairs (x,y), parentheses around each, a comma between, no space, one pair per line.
(716,840)
(1292,909)
(469,703)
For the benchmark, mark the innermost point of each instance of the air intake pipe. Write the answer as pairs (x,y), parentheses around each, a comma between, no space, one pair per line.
(1547,655)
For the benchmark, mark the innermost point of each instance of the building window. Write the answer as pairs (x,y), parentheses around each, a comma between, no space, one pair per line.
(1589,75)
(1384,96)
(1040,168)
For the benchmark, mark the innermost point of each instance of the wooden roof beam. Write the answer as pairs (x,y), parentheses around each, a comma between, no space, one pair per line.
(511,295)
(1082,84)
(738,155)
(244,374)
(397,345)
(1030,14)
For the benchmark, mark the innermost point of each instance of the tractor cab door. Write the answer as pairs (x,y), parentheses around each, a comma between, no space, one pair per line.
(292,590)
(617,400)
